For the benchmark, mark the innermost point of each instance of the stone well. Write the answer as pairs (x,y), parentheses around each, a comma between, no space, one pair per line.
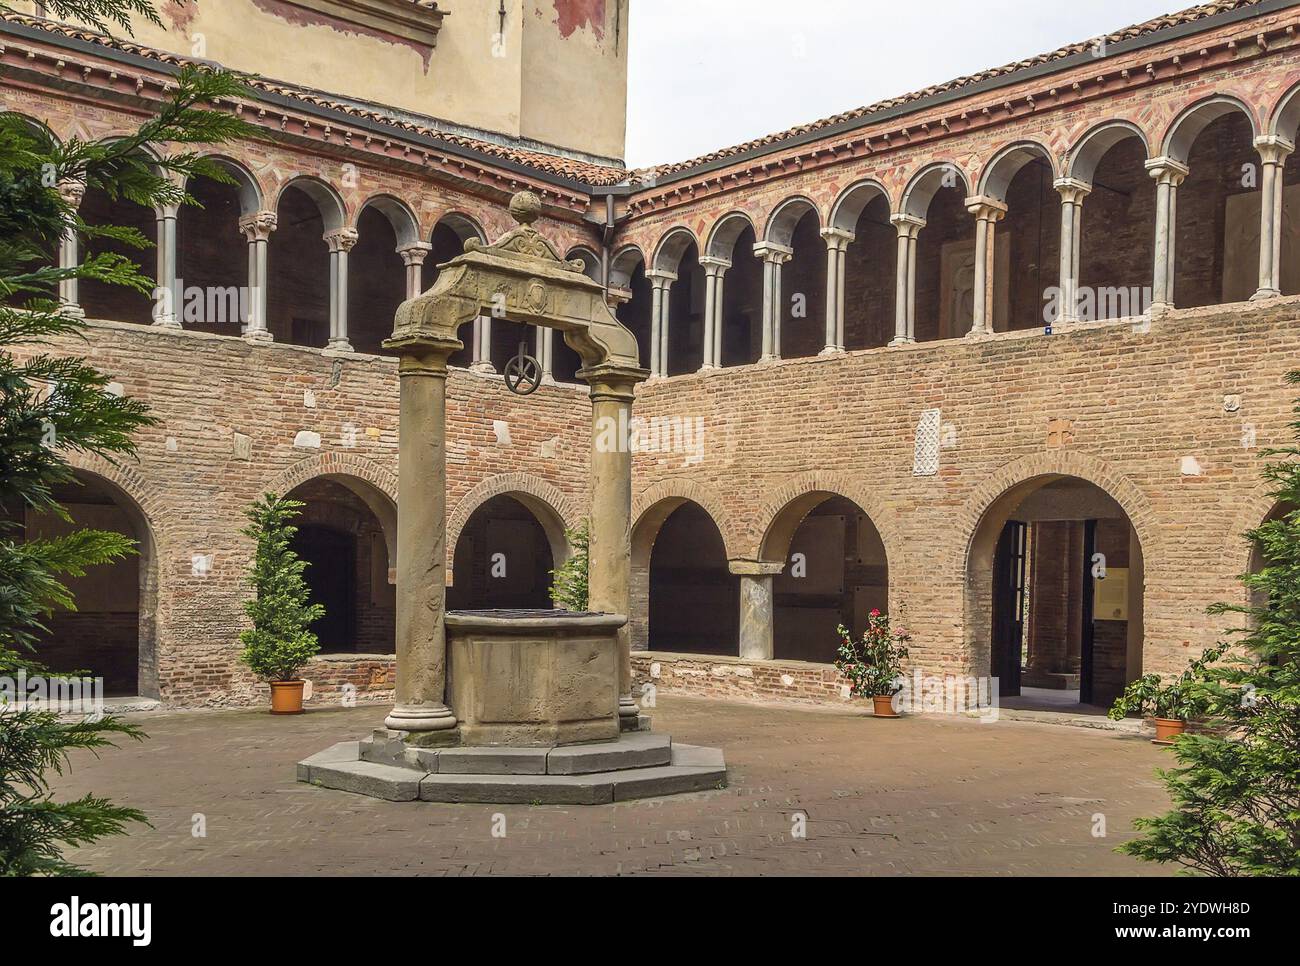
(534,678)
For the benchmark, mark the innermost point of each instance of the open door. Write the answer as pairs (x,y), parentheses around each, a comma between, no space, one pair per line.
(1009,607)
(1086,633)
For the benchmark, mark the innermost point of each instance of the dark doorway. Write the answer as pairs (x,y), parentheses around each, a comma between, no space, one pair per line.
(1009,608)
(331,578)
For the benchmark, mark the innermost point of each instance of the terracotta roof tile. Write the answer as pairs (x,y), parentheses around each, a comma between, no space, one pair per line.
(574,169)
(643,175)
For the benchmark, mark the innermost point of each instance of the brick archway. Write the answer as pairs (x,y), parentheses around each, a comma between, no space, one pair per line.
(677,492)
(372,483)
(554,509)
(980,523)
(782,514)
(144,507)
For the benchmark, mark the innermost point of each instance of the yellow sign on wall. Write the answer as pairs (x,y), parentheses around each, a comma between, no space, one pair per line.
(1110,596)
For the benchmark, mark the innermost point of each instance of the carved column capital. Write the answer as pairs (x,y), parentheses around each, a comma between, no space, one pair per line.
(714,266)
(772,252)
(1167,171)
(414,253)
(72,190)
(909,226)
(837,239)
(258,226)
(1072,190)
(1273,148)
(341,239)
(985,208)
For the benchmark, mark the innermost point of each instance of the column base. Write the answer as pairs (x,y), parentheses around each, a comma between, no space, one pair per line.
(165,323)
(627,706)
(258,335)
(72,311)
(425,718)
(979,333)
(1160,308)
(1266,293)
(901,340)
(709,367)
(339,345)
(832,350)
(770,357)
(483,368)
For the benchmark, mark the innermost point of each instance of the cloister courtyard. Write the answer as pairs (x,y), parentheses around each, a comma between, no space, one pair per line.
(926,795)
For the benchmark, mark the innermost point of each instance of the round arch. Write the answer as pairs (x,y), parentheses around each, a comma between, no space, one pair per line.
(406,227)
(368,481)
(245,182)
(624,264)
(671,248)
(1188,125)
(786,216)
(1082,159)
(143,508)
(653,505)
(725,233)
(554,509)
(795,499)
(37,126)
(1284,121)
(465,226)
(980,527)
(1008,162)
(590,261)
(927,182)
(333,211)
(853,200)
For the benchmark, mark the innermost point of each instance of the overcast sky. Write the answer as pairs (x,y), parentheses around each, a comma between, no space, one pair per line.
(705,74)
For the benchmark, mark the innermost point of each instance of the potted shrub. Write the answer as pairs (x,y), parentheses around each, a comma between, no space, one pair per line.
(280,641)
(1171,705)
(874,664)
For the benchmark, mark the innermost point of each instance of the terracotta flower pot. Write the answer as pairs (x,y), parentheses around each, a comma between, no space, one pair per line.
(1167,729)
(286,697)
(884,707)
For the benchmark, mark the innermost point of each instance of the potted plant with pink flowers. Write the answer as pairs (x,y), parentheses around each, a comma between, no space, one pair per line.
(873,663)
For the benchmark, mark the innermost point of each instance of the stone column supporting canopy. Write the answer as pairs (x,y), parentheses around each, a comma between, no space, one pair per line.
(257,228)
(757,607)
(166,297)
(1072,193)
(413,256)
(909,229)
(71,191)
(546,352)
(773,257)
(610,547)
(988,212)
(1273,152)
(1169,174)
(340,242)
(715,272)
(661,284)
(837,243)
(420,700)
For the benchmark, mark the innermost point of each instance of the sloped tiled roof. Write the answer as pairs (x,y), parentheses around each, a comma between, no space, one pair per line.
(574,169)
(1139,30)
(601,175)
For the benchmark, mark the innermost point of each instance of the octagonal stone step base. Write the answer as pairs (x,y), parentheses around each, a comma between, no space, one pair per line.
(685,768)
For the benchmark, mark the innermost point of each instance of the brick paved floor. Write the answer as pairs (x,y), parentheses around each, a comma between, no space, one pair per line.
(917,796)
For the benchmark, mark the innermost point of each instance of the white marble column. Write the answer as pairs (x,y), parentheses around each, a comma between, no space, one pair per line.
(909,229)
(545,349)
(72,193)
(661,284)
(340,242)
(715,273)
(988,212)
(413,256)
(1072,192)
(1273,152)
(166,298)
(257,228)
(757,607)
(773,257)
(837,243)
(1168,174)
